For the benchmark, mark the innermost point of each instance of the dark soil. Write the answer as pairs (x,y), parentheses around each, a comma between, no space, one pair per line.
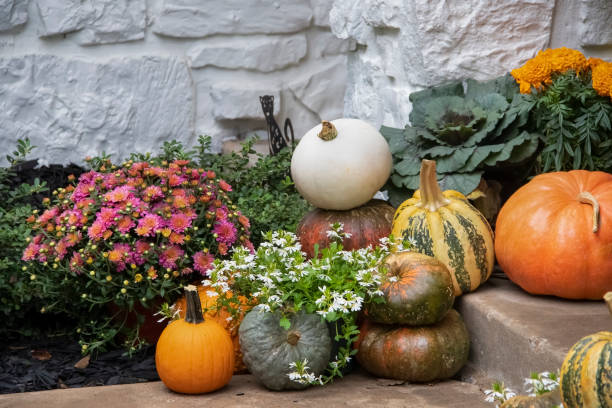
(49,364)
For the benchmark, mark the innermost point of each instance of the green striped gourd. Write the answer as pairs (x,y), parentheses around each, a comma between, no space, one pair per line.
(446,226)
(586,373)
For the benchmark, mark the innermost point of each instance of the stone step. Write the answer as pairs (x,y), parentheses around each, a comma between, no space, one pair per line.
(513,333)
(354,390)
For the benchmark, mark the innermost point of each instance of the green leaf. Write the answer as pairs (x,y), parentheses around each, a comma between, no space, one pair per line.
(408,166)
(465,183)
(285,323)
(455,161)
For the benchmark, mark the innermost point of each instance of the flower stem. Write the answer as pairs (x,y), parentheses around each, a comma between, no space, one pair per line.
(328,131)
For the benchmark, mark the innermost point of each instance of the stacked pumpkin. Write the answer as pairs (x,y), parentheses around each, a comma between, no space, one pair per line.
(337,167)
(414,335)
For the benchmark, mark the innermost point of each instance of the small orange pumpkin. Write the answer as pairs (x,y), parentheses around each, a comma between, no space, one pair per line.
(223,317)
(554,235)
(194,355)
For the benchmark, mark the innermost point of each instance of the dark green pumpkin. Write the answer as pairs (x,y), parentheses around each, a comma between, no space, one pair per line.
(416,354)
(418,290)
(268,349)
(586,373)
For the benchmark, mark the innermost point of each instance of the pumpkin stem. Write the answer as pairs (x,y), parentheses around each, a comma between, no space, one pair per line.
(587,198)
(193,313)
(293,337)
(431,195)
(328,131)
(608,298)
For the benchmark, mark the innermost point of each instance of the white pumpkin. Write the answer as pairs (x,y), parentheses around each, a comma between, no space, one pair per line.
(341,164)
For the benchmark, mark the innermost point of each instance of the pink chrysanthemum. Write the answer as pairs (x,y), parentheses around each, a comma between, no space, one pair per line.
(48,215)
(124,224)
(76,263)
(97,230)
(169,256)
(153,192)
(149,224)
(118,194)
(202,262)
(106,216)
(175,180)
(30,252)
(224,185)
(226,232)
(179,222)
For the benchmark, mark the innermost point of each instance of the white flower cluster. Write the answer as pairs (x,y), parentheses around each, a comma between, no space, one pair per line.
(536,384)
(333,301)
(301,374)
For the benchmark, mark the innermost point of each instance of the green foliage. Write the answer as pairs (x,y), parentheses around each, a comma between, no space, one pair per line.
(16,299)
(466,132)
(262,186)
(576,124)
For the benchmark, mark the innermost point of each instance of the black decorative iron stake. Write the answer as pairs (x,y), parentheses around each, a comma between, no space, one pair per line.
(276,140)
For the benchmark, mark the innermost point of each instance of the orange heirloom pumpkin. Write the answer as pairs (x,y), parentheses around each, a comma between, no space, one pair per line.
(194,355)
(554,235)
(221,316)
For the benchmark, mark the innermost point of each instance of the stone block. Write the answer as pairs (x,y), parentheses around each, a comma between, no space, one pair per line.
(201,18)
(114,21)
(320,12)
(261,53)
(13,13)
(232,101)
(323,91)
(513,333)
(70,108)
(595,25)
(324,43)
(61,16)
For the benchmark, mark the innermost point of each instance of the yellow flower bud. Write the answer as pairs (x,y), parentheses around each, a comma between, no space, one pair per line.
(123,290)
(166,276)
(92,273)
(109,278)
(126,282)
(32,277)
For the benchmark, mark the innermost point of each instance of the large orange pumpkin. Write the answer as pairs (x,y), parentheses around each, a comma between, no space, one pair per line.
(221,316)
(554,235)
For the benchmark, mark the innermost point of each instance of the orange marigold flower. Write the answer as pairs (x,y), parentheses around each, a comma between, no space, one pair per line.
(601,75)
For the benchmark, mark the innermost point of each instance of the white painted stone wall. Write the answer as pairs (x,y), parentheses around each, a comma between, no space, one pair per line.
(79,77)
(407,45)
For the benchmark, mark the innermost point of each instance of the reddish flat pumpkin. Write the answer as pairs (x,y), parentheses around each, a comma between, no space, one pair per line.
(554,235)
(366,224)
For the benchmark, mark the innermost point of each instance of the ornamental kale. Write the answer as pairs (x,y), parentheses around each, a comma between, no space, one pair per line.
(467,129)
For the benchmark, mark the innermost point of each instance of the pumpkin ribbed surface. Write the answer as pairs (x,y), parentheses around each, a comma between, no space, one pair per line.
(586,374)
(194,355)
(221,316)
(366,224)
(554,235)
(268,349)
(416,354)
(417,290)
(446,226)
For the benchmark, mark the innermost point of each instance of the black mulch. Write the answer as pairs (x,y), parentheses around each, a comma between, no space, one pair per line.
(54,175)
(20,371)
